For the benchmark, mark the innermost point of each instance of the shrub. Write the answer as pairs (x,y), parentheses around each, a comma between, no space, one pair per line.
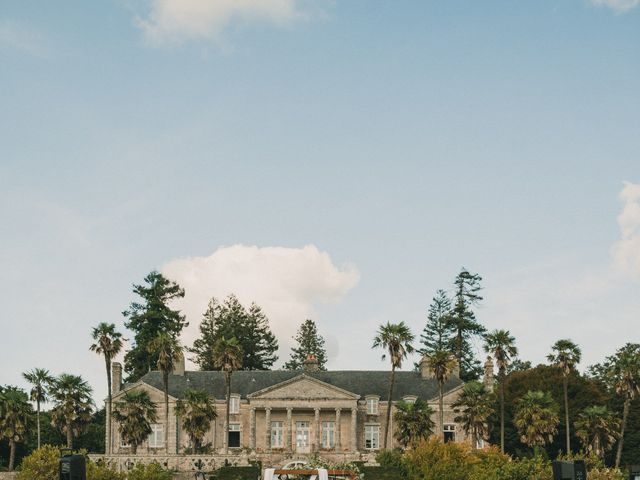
(433,460)
(152,471)
(41,464)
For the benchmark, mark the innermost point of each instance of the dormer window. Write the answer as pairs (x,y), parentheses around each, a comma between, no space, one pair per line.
(372,405)
(409,399)
(234,405)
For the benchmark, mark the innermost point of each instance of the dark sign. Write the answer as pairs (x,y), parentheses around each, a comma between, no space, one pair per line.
(575,470)
(72,467)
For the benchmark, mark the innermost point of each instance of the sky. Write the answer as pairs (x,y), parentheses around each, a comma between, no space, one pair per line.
(329,159)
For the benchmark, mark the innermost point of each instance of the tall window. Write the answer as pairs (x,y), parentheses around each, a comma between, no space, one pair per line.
(449,433)
(277,435)
(234,435)
(156,438)
(372,406)
(234,405)
(372,437)
(328,434)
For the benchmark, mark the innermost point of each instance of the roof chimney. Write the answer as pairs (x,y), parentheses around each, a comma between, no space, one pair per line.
(455,371)
(425,371)
(488,374)
(178,365)
(116,377)
(311,363)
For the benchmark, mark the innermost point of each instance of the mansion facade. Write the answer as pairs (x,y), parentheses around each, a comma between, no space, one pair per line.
(280,415)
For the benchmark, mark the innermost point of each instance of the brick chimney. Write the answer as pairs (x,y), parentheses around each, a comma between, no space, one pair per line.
(425,371)
(311,364)
(178,365)
(455,372)
(116,377)
(488,374)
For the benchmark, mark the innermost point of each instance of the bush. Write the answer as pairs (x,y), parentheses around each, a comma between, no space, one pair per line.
(434,460)
(152,471)
(43,462)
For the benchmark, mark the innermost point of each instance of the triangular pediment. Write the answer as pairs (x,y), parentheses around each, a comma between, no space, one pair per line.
(303,387)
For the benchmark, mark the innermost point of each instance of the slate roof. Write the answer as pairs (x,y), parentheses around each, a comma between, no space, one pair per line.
(245,382)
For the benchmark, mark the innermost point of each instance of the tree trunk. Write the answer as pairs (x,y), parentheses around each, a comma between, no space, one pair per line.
(227,376)
(69,436)
(166,412)
(38,419)
(392,380)
(625,414)
(12,454)
(441,408)
(566,412)
(108,445)
(502,412)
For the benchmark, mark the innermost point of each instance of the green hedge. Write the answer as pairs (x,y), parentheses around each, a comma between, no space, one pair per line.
(236,473)
(381,473)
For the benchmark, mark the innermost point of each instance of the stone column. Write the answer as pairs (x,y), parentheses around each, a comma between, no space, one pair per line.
(268,428)
(354,430)
(290,432)
(337,431)
(252,427)
(318,437)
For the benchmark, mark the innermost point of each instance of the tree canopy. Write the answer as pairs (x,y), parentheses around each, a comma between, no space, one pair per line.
(310,343)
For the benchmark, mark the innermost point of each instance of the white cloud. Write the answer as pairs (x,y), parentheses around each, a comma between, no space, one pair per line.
(619,6)
(285,282)
(14,36)
(173,21)
(626,251)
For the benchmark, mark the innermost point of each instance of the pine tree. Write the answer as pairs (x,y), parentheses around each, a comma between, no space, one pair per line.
(438,332)
(148,319)
(464,324)
(310,342)
(232,320)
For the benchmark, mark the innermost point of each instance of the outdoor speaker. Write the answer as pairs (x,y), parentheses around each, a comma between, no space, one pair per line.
(576,470)
(634,472)
(72,467)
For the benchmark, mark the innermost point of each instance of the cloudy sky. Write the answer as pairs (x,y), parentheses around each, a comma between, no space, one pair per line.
(339,160)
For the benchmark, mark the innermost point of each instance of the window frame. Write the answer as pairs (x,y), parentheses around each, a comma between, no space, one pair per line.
(328,434)
(234,404)
(157,430)
(234,428)
(373,405)
(277,433)
(372,430)
(449,432)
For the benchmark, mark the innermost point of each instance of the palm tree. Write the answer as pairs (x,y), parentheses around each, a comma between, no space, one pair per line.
(227,356)
(72,405)
(15,414)
(598,429)
(566,355)
(168,351)
(396,339)
(40,379)
(536,419)
(413,422)
(197,412)
(501,345)
(441,363)
(475,406)
(108,342)
(135,413)
(624,372)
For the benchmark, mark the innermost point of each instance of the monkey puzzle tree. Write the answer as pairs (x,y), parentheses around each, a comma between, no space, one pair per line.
(310,343)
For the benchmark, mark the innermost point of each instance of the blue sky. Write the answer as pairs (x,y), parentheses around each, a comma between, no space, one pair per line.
(401,140)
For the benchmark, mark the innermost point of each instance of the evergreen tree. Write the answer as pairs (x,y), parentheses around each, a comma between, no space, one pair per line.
(438,331)
(148,319)
(232,320)
(310,342)
(464,324)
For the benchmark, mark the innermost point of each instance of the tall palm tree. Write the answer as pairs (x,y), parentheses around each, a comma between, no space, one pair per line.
(598,429)
(565,355)
(441,363)
(536,419)
(475,407)
(40,379)
(15,414)
(168,350)
(73,405)
(501,345)
(135,413)
(108,343)
(227,356)
(413,422)
(396,339)
(197,411)
(624,372)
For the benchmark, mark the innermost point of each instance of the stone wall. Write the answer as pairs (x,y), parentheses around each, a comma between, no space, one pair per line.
(8,476)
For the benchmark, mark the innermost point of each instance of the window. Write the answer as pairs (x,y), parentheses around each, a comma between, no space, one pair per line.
(277,432)
(372,437)
(372,406)
(234,405)
(449,433)
(480,443)
(156,438)
(328,434)
(234,435)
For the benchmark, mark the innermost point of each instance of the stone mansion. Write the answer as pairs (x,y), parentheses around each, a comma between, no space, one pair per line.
(279,415)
